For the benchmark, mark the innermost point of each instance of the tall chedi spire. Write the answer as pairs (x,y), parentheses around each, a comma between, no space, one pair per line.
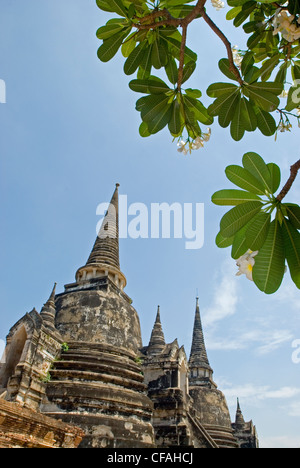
(157,340)
(239,418)
(200,370)
(48,310)
(104,257)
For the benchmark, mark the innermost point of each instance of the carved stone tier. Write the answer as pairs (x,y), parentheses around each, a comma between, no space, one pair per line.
(99,387)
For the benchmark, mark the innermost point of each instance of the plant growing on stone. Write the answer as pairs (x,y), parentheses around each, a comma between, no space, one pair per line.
(152,36)
(65,347)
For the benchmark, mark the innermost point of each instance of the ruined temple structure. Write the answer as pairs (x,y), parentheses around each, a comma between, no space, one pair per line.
(245,432)
(77,374)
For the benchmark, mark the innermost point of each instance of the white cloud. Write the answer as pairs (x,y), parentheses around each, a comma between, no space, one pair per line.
(294,409)
(261,340)
(225,295)
(251,394)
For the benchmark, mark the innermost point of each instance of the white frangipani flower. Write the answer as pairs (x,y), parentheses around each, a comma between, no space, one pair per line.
(284,23)
(237,58)
(186,146)
(246,263)
(218,4)
(284,94)
(182,147)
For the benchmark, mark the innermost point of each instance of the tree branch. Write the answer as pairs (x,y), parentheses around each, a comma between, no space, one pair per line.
(226,42)
(181,56)
(294,171)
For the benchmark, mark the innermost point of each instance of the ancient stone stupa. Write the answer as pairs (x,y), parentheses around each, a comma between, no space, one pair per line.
(79,366)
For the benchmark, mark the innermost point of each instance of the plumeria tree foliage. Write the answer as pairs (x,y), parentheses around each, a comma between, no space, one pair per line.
(152,36)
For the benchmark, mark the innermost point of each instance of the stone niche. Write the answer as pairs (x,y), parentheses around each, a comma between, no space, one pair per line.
(31,349)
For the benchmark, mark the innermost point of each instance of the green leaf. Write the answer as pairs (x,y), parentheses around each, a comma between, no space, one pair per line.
(257,231)
(258,168)
(198,109)
(268,67)
(110,46)
(151,86)
(188,70)
(104,5)
(247,62)
(273,87)
(175,123)
(224,66)
(231,14)
(144,70)
(239,245)
(118,7)
(193,93)
(275,175)
(293,100)
(267,101)
(134,60)
(223,242)
(129,45)
(232,197)
(291,239)
(225,99)
(159,57)
(217,89)
(296,71)
(254,39)
(172,70)
(238,216)
(175,46)
(293,213)
(161,118)
(237,127)
(154,105)
(227,111)
(248,115)
(143,130)
(265,122)
(247,9)
(269,264)
(244,179)
(109,30)
(281,75)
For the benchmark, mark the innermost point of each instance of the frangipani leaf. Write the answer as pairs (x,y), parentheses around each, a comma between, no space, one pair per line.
(257,231)
(238,216)
(293,213)
(269,265)
(233,197)
(258,168)
(223,242)
(239,245)
(275,175)
(244,179)
(291,238)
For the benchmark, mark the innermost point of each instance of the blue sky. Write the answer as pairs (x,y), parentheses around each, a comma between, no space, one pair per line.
(69,132)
